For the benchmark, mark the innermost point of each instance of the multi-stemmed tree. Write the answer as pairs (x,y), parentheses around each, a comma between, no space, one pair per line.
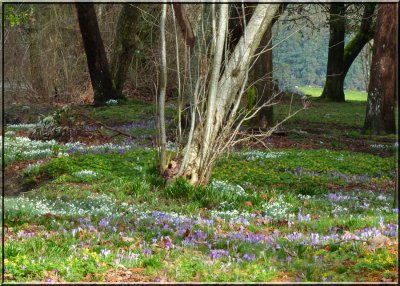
(218,81)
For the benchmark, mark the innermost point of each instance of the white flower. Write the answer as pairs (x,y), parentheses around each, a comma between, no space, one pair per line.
(16,127)
(277,209)
(112,102)
(62,154)
(254,155)
(222,186)
(84,174)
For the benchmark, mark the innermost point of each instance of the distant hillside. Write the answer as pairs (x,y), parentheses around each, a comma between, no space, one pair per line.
(301,60)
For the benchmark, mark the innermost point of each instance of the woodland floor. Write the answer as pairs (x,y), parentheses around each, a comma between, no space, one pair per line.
(316,205)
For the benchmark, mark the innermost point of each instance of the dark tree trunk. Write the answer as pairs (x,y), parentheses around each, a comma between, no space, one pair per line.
(382,85)
(124,45)
(95,53)
(263,70)
(356,44)
(333,89)
(185,25)
(236,23)
(363,36)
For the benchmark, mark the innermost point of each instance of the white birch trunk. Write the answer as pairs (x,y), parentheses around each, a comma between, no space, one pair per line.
(161,101)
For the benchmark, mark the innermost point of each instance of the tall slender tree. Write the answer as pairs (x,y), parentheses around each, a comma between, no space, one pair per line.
(382,86)
(96,55)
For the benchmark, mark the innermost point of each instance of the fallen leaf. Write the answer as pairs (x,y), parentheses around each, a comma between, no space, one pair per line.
(248,204)
(381,240)
(187,233)
(127,239)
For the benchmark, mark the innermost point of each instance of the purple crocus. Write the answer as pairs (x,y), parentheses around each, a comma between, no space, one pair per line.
(218,253)
(147,252)
(104,222)
(381,220)
(249,257)
(105,252)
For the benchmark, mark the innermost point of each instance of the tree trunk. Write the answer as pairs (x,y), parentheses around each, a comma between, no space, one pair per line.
(333,89)
(354,47)
(185,25)
(124,45)
(36,67)
(382,86)
(95,53)
(190,40)
(201,154)
(161,103)
(363,36)
(264,86)
(262,70)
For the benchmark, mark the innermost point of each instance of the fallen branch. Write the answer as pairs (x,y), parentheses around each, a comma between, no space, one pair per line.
(103,125)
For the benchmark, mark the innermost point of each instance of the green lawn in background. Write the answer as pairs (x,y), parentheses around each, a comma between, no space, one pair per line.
(349,94)
(347,114)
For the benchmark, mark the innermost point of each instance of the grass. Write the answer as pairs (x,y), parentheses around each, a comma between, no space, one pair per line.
(104,214)
(350,95)
(149,216)
(333,118)
(349,114)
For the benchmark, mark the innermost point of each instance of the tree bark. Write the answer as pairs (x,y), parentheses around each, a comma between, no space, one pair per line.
(185,25)
(263,75)
(199,164)
(262,70)
(363,36)
(382,86)
(352,50)
(333,89)
(124,45)
(36,67)
(95,53)
(216,68)
(161,103)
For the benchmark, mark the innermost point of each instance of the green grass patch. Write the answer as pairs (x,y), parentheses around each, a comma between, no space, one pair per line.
(350,95)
